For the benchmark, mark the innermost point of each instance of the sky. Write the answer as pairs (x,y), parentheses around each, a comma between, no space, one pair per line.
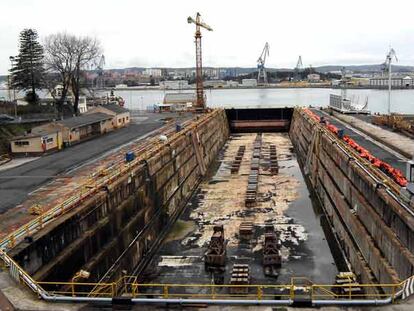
(155,33)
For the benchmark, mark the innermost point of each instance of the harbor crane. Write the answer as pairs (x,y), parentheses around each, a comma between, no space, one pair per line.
(298,69)
(262,74)
(388,61)
(99,68)
(200,104)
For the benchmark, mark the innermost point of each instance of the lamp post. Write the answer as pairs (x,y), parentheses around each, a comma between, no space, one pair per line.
(81,274)
(14,92)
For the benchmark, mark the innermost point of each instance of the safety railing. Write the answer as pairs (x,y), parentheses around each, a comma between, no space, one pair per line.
(212,291)
(129,287)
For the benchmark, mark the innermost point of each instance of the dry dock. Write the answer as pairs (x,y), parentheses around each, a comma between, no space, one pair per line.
(244,206)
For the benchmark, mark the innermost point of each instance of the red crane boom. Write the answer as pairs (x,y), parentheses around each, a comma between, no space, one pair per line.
(199,66)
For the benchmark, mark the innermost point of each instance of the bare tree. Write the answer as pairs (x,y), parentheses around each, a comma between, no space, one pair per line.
(68,56)
(87,51)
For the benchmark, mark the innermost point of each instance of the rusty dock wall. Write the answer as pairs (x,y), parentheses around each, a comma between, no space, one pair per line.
(374,230)
(115,230)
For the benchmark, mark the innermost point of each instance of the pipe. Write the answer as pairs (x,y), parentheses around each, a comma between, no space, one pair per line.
(168,300)
(352,302)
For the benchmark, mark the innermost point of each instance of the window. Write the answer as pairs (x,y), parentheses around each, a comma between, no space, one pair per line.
(21,143)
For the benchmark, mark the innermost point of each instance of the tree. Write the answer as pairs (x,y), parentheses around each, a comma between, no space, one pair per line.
(87,52)
(68,56)
(28,68)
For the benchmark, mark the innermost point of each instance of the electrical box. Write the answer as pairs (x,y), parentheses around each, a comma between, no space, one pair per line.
(410,171)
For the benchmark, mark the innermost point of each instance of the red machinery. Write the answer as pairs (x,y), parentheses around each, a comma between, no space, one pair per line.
(392,172)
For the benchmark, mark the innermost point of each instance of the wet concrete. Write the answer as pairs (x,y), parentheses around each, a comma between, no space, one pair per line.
(284,200)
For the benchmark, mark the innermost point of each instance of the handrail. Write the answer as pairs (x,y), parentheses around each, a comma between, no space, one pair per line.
(134,288)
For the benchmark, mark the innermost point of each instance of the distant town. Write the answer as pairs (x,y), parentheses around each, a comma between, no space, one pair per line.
(372,76)
(363,76)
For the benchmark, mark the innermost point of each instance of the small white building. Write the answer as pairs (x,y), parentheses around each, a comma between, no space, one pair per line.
(214,83)
(153,72)
(400,82)
(249,82)
(314,77)
(232,83)
(174,84)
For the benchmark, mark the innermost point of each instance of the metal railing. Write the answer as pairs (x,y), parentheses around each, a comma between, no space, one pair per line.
(209,293)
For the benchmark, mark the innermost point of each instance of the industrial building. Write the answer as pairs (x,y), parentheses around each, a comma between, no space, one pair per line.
(174,84)
(398,82)
(314,77)
(38,142)
(55,135)
(177,102)
(249,83)
(121,116)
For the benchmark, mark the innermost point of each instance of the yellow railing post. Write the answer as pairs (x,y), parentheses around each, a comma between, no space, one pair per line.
(165,291)
(350,292)
(134,290)
(113,289)
(259,293)
(213,292)
(393,294)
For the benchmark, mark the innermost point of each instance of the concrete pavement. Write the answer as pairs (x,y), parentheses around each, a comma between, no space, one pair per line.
(16,183)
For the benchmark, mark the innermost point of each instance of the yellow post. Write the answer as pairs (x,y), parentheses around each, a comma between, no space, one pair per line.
(12,242)
(213,292)
(259,293)
(113,289)
(350,292)
(165,294)
(393,293)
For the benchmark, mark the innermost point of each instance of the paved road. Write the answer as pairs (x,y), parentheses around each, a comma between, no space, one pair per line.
(373,148)
(16,183)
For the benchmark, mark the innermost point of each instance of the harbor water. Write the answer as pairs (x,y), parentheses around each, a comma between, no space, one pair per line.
(402,100)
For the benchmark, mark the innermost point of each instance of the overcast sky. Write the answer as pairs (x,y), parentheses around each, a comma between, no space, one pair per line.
(154,33)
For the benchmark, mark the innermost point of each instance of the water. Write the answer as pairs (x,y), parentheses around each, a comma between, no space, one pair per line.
(402,100)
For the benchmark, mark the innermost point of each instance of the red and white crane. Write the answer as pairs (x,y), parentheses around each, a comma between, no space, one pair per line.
(200,105)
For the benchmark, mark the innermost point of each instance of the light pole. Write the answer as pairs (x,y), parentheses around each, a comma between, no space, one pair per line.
(14,92)
(390,56)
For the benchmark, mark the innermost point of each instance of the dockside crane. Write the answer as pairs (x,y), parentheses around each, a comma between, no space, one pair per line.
(388,61)
(298,69)
(261,62)
(200,105)
(100,71)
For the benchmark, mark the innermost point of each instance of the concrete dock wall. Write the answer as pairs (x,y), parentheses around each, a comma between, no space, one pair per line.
(375,232)
(117,228)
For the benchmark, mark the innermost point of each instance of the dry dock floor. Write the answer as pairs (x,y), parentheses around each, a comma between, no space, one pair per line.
(283,200)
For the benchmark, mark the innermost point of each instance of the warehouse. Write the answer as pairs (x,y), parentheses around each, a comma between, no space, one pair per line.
(121,116)
(42,141)
(178,102)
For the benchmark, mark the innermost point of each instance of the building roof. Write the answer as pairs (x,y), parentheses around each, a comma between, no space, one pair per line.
(115,108)
(180,97)
(85,119)
(39,133)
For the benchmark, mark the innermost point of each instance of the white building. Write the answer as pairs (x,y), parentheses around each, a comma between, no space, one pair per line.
(153,72)
(232,83)
(395,82)
(249,82)
(314,77)
(174,84)
(214,83)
